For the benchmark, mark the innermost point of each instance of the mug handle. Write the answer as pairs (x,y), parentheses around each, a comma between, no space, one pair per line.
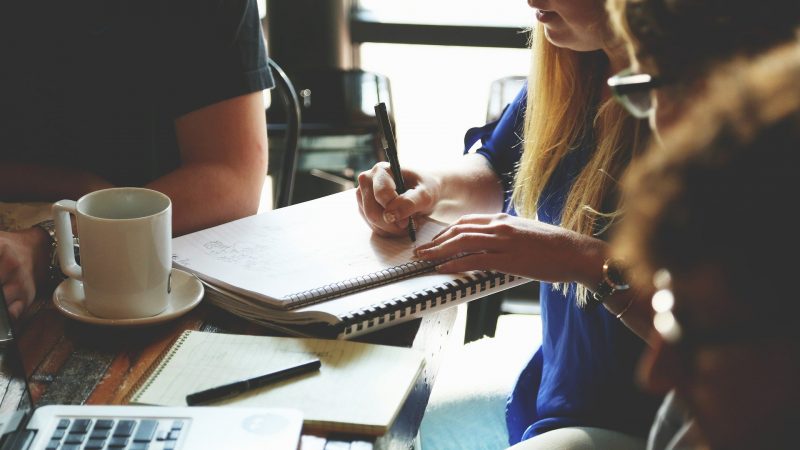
(66,254)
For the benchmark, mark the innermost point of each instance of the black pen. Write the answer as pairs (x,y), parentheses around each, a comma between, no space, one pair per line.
(238,387)
(390,147)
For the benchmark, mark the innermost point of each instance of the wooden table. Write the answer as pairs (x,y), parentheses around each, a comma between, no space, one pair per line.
(74,363)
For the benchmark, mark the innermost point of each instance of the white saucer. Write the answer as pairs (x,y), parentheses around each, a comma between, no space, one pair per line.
(187,291)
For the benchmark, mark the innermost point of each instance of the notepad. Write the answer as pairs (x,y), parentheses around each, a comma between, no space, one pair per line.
(359,388)
(316,268)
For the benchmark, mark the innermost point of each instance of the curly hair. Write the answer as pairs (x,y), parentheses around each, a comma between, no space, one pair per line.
(722,191)
(683,39)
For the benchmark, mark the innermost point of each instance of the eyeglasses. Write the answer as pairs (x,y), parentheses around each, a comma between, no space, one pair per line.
(663,301)
(632,91)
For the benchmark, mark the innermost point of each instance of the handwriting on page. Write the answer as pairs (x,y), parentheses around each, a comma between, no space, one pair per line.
(289,250)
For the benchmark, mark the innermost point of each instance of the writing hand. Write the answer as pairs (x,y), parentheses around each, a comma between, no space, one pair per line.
(384,210)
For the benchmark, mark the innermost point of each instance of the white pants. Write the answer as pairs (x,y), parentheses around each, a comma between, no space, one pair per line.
(582,438)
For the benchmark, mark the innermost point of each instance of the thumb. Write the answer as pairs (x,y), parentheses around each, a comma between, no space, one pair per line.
(412,202)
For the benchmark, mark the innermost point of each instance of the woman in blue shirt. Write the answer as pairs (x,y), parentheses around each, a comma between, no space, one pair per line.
(557,188)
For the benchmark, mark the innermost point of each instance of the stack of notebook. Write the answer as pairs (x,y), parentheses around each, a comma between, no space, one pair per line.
(316,269)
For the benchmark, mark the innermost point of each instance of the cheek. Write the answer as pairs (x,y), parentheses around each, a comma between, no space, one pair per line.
(733,393)
(714,392)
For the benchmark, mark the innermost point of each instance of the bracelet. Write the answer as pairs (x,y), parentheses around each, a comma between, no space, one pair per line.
(626,308)
(54,273)
(613,280)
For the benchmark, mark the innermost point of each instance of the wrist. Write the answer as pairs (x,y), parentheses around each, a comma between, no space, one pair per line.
(588,261)
(51,273)
(613,279)
(38,242)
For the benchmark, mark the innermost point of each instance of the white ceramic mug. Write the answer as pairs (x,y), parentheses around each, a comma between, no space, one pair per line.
(125,250)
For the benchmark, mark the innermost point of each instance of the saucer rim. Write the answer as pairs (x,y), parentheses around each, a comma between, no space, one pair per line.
(58,302)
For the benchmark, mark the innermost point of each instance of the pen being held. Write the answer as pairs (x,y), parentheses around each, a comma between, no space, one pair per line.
(390,147)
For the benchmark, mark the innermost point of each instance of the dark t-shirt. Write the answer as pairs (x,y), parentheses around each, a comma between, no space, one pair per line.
(97,84)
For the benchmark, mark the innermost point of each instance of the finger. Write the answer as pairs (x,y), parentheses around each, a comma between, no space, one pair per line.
(470,219)
(454,230)
(442,236)
(370,209)
(16,292)
(413,201)
(423,247)
(377,225)
(479,219)
(459,244)
(9,266)
(383,186)
(15,309)
(473,261)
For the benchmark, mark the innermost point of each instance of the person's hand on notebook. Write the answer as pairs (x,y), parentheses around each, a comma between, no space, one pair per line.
(387,212)
(517,246)
(23,261)
(466,185)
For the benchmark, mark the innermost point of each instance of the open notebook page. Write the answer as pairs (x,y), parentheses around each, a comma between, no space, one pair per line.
(279,253)
(359,388)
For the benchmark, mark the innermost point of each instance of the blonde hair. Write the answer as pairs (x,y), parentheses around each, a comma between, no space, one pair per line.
(564,111)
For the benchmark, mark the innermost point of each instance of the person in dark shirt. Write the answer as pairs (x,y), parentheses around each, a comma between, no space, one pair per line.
(165,94)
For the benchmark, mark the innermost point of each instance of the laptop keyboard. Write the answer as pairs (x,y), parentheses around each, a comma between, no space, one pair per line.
(116,434)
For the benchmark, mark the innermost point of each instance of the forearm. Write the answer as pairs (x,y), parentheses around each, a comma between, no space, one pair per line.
(636,312)
(208,194)
(467,186)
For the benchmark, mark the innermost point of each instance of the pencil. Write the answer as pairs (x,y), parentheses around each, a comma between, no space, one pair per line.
(390,148)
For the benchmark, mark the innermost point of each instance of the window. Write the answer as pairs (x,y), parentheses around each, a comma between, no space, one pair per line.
(439,91)
(505,13)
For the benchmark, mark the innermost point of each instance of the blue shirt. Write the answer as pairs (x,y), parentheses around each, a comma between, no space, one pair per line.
(583,373)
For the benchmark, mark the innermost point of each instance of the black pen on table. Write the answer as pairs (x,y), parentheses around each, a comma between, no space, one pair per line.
(242,386)
(390,147)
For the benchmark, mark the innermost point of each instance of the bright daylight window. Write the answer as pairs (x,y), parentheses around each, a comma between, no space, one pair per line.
(441,91)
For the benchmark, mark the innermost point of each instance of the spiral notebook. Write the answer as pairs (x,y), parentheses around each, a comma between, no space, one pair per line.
(316,268)
(359,388)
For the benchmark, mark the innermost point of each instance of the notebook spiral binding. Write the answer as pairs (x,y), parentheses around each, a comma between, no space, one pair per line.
(156,367)
(438,296)
(360,283)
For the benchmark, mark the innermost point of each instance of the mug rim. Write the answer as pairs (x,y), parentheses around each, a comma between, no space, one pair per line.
(86,197)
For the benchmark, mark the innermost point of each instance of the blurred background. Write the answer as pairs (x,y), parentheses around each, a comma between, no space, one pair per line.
(433,62)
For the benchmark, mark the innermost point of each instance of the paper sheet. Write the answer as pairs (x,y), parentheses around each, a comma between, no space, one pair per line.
(279,253)
(360,387)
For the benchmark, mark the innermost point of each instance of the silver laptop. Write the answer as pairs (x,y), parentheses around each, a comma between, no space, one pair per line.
(128,427)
